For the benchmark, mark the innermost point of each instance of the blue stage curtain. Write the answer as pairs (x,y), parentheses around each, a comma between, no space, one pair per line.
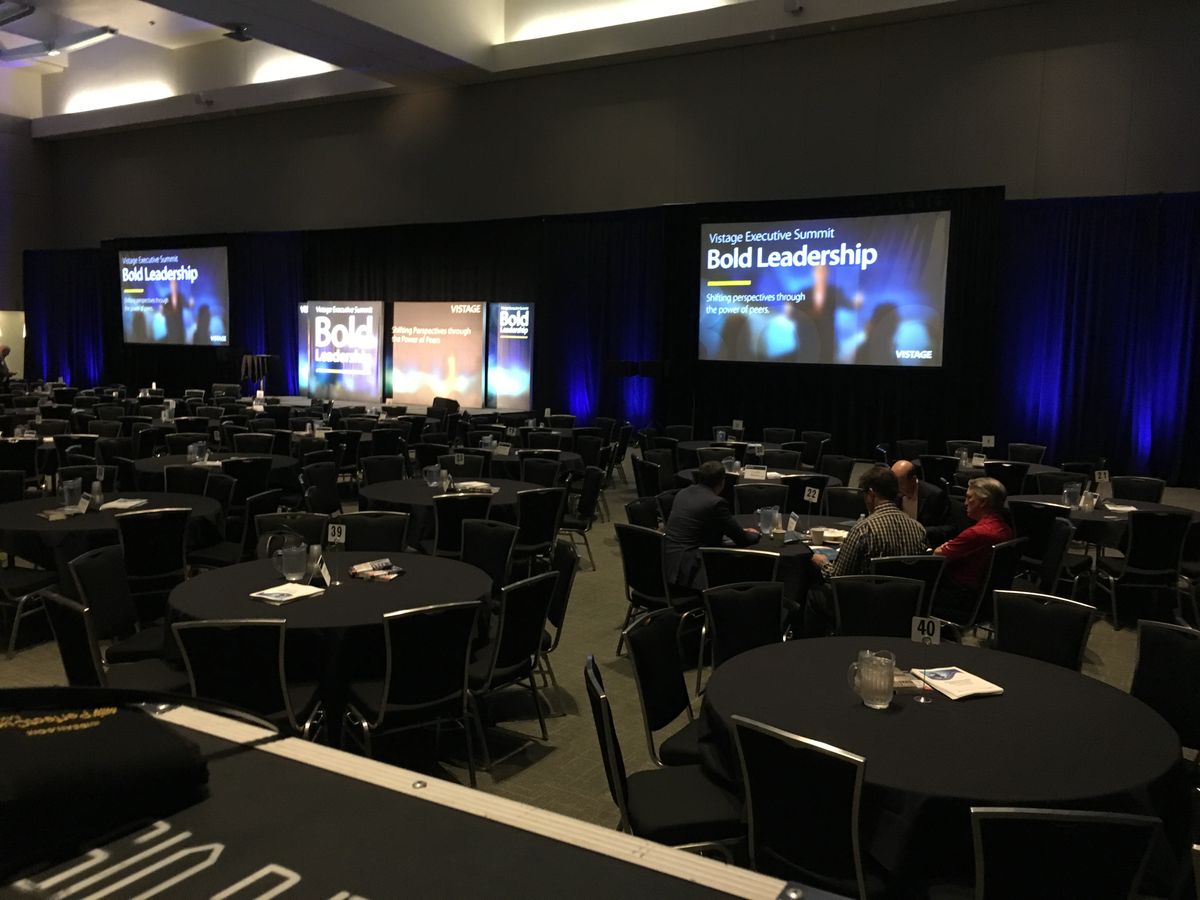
(64,315)
(1097,329)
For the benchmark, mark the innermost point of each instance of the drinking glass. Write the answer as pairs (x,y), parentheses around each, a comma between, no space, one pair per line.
(871,677)
(720,437)
(292,562)
(1071,494)
(71,492)
(766,519)
(433,476)
(730,464)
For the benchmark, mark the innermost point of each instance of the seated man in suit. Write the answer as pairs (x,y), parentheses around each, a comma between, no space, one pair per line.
(925,502)
(700,517)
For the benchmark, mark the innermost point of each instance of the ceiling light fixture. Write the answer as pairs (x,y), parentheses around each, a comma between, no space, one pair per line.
(22,10)
(238,31)
(76,41)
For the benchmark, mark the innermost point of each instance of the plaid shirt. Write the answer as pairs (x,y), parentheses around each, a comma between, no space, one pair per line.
(885,532)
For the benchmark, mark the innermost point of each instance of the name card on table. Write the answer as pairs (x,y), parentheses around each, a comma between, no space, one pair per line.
(738,425)
(85,501)
(989,440)
(812,494)
(793,522)
(754,473)
(503,449)
(412,454)
(926,631)
(546,413)
(1101,476)
(978,460)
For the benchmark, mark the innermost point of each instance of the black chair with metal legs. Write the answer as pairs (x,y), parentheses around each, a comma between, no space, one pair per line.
(81,659)
(320,483)
(675,805)
(731,565)
(580,521)
(1136,487)
(488,545)
(185,479)
(377,531)
(662,689)
(783,772)
(242,662)
(876,604)
(1061,853)
(1002,568)
(1041,626)
(103,587)
(511,656)
(155,542)
(1010,474)
(750,496)
(938,470)
(565,561)
(427,652)
(228,553)
(1027,453)
(642,512)
(642,564)
(743,616)
(539,517)
(449,513)
(1166,676)
(1152,560)
(845,502)
(376,469)
(19,589)
(927,569)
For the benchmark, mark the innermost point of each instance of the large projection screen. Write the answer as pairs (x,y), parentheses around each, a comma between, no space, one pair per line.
(862,291)
(175,297)
(437,351)
(341,350)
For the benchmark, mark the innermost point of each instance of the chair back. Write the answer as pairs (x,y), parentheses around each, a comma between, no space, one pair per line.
(1055,482)
(588,505)
(102,586)
(839,466)
(1043,627)
(1010,474)
(104,428)
(543,440)
(876,604)
(606,735)
(588,447)
(154,544)
(77,647)
(310,527)
(523,608)
(679,432)
(19,455)
(565,561)
(642,562)
(539,516)
(926,569)
(743,616)
(1027,453)
(470,467)
(253,442)
(732,565)
(781,459)
(427,652)
(845,502)
(1054,554)
(345,443)
(1166,676)
(257,505)
(714,454)
(449,513)
(749,496)
(488,545)
(1065,853)
(389,441)
(186,479)
(12,485)
(1002,569)
(375,531)
(1156,540)
(778,435)
(220,488)
(642,512)
(237,661)
(87,474)
(797,485)
(543,472)
(1033,520)
(783,772)
(320,488)
(658,671)
(1136,487)
(647,477)
(251,474)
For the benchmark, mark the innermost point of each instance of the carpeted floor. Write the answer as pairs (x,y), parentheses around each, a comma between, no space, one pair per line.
(565,774)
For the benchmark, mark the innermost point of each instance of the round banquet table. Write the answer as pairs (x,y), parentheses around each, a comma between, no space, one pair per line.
(53,544)
(1103,526)
(962,476)
(793,569)
(285,470)
(429,581)
(685,477)
(415,497)
(1055,738)
(693,446)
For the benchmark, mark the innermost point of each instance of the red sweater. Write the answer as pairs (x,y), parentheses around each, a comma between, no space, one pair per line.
(967,555)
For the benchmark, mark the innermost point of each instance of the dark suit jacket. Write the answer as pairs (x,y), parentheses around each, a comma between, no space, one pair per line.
(699,518)
(933,511)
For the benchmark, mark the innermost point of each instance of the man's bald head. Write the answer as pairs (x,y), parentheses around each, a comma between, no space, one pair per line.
(906,474)
(5,350)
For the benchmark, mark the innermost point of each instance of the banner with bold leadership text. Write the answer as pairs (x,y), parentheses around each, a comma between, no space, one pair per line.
(437,351)
(858,291)
(341,351)
(510,356)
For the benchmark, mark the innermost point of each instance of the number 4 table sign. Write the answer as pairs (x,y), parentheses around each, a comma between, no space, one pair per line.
(927,631)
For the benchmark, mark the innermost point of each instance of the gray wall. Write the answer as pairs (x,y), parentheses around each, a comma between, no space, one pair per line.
(1051,99)
(26,203)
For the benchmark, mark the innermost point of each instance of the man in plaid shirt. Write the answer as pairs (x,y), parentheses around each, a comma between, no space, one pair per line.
(886,531)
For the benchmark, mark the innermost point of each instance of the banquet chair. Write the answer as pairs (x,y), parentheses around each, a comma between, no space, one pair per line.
(742,616)
(749,496)
(675,805)
(359,423)
(319,481)
(778,435)
(664,458)
(1042,626)
(1055,482)
(781,459)
(427,652)
(926,569)
(539,518)
(488,545)
(220,487)
(938,470)
(909,448)
(191,424)
(79,650)
(209,412)
(661,688)
(1135,487)
(227,552)
(642,512)
(796,486)
(543,440)
(1033,520)
(19,592)
(449,513)
(104,428)
(12,485)
(564,560)
(561,420)
(731,565)
(589,448)
(1027,453)
(845,502)
(427,454)
(389,441)
(177,443)
(510,656)
(186,479)
(309,527)
(647,477)
(645,577)
(1152,560)
(876,604)
(50,427)
(442,438)
(1010,474)
(109,411)
(470,467)
(815,443)
(20,456)
(1003,564)
(251,474)
(580,521)
(74,443)
(155,542)
(230,430)
(242,662)
(1054,570)
(87,474)
(345,443)
(253,442)
(783,772)
(714,454)
(679,432)
(1062,853)
(262,423)
(378,531)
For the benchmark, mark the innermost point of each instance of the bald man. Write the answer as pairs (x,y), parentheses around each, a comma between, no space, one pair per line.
(925,502)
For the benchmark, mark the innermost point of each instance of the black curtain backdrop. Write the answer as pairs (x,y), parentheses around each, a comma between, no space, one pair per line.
(1095,308)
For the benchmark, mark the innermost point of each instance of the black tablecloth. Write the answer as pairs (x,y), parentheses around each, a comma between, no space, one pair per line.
(1054,738)
(693,446)
(685,477)
(285,470)
(1103,526)
(225,593)
(52,544)
(415,497)
(793,569)
(963,476)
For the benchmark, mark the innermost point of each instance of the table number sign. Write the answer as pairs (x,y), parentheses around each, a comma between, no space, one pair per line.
(336,533)
(926,630)
(511,431)
(812,494)
(737,425)
(1101,476)
(989,441)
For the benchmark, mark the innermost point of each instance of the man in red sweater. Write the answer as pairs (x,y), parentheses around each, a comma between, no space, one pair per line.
(968,555)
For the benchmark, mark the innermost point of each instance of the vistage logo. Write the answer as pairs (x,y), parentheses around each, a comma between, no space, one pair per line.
(914,354)
(459,309)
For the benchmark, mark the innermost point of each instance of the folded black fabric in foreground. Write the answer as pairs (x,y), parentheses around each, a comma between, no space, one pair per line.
(73,773)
